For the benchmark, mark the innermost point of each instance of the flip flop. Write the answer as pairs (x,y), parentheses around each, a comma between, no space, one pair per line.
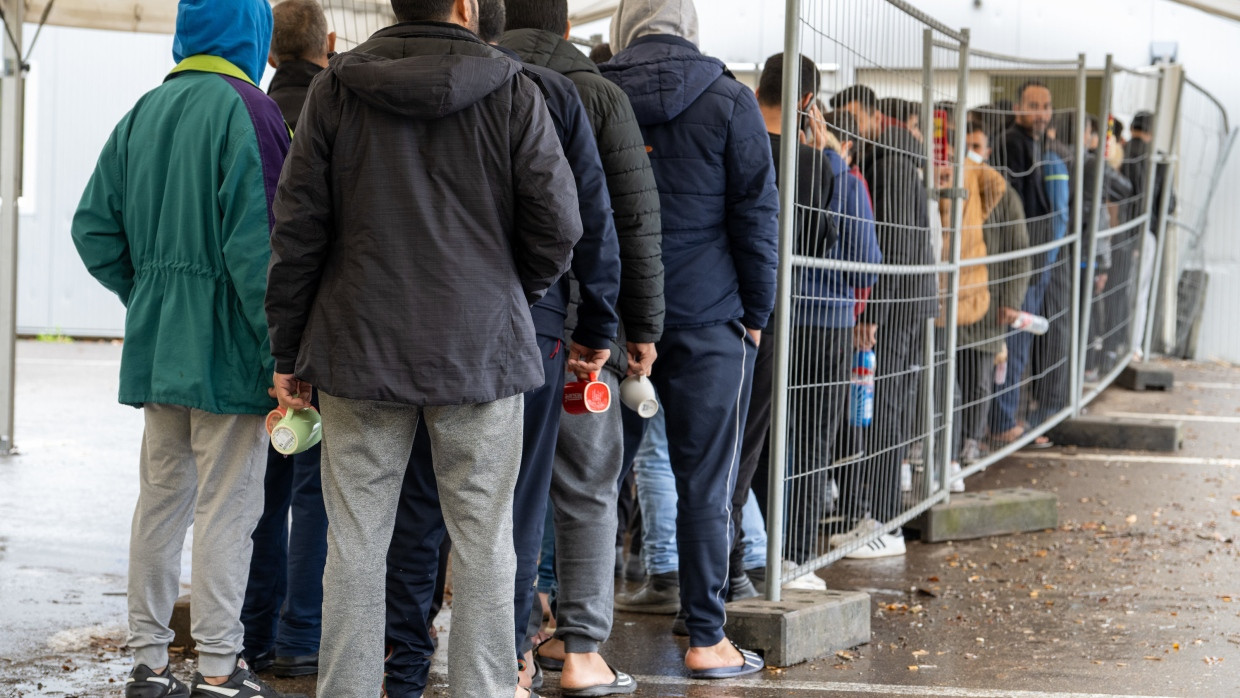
(536,681)
(621,685)
(547,663)
(753,664)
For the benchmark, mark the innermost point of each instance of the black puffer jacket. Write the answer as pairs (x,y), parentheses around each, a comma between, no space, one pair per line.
(425,204)
(634,195)
(894,169)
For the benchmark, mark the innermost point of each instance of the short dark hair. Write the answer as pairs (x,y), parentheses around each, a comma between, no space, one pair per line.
(771,83)
(973,126)
(490,20)
(601,53)
(1020,91)
(1117,127)
(842,125)
(855,93)
(1142,121)
(898,109)
(422,10)
(549,15)
(299,30)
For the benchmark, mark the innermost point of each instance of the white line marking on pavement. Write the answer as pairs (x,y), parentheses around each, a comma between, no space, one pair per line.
(1172,417)
(876,689)
(1213,386)
(1128,458)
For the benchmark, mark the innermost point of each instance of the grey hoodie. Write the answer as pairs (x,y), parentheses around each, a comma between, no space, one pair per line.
(637,18)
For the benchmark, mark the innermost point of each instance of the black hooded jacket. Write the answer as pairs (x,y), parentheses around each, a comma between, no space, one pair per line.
(893,169)
(425,204)
(634,194)
(289,85)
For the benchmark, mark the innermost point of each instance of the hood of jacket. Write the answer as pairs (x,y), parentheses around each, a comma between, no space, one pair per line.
(544,48)
(239,31)
(423,70)
(662,76)
(637,18)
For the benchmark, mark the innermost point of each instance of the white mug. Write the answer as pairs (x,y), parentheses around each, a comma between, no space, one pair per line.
(637,393)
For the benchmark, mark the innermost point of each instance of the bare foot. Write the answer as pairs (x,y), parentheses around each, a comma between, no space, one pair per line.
(584,670)
(713,657)
(552,649)
(522,693)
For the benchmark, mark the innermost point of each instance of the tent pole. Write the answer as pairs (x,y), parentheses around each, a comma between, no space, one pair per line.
(12,77)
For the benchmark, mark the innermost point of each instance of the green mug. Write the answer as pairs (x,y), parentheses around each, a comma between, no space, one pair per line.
(297,431)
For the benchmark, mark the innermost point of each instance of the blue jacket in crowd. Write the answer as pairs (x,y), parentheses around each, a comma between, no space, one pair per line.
(596,257)
(1059,194)
(712,160)
(825,298)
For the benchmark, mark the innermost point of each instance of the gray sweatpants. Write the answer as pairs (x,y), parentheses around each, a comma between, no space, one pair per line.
(588,458)
(206,469)
(476,450)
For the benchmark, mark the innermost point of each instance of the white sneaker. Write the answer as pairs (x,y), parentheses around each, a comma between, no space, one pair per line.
(809,580)
(971,452)
(955,482)
(863,528)
(906,477)
(886,545)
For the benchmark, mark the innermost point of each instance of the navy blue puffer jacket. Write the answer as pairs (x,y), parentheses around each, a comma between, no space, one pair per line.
(712,161)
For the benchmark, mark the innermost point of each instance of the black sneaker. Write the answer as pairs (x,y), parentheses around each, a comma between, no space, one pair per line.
(144,683)
(242,684)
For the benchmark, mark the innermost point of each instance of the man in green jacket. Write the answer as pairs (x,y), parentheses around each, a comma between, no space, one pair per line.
(176,221)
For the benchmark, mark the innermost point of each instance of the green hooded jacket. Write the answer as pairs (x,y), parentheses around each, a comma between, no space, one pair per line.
(176,221)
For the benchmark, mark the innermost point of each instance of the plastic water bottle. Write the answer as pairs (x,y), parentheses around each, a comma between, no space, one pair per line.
(1033,324)
(861,392)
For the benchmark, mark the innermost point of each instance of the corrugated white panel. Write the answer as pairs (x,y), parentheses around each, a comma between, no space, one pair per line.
(82,83)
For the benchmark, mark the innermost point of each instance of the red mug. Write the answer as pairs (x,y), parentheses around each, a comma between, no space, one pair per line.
(584,397)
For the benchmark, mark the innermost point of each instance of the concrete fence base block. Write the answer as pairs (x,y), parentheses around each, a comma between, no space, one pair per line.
(180,625)
(1113,432)
(1145,377)
(804,625)
(992,513)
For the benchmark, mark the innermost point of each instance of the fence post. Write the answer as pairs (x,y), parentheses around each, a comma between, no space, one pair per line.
(1095,196)
(1172,162)
(1137,334)
(783,311)
(927,375)
(958,194)
(1076,373)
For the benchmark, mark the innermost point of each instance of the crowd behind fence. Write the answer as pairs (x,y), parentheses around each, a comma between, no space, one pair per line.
(1039,225)
(1009,235)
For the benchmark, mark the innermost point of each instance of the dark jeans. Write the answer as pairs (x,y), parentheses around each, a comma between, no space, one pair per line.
(283,609)
(413,555)
(704,380)
(977,379)
(1006,405)
(871,487)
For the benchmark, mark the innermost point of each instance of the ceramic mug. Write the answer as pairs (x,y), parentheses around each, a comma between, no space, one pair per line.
(588,396)
(295,431)
(637,393)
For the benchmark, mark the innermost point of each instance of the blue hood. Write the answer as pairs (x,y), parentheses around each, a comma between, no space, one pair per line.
(662,75)
(239,31)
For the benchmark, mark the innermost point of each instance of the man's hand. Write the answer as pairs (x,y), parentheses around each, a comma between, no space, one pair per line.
(865,336)
(292,392)
(1100,282)
(819,137)
(755,335)
(583,361)
(1007,315)
(641,358)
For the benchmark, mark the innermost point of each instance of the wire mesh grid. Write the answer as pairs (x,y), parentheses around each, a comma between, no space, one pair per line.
(354,21)
(1204,145)
(862,401)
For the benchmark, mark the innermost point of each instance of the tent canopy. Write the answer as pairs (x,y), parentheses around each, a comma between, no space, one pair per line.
(159,16)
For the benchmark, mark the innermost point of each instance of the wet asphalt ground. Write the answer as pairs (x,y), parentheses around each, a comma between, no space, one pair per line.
(1137,592)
